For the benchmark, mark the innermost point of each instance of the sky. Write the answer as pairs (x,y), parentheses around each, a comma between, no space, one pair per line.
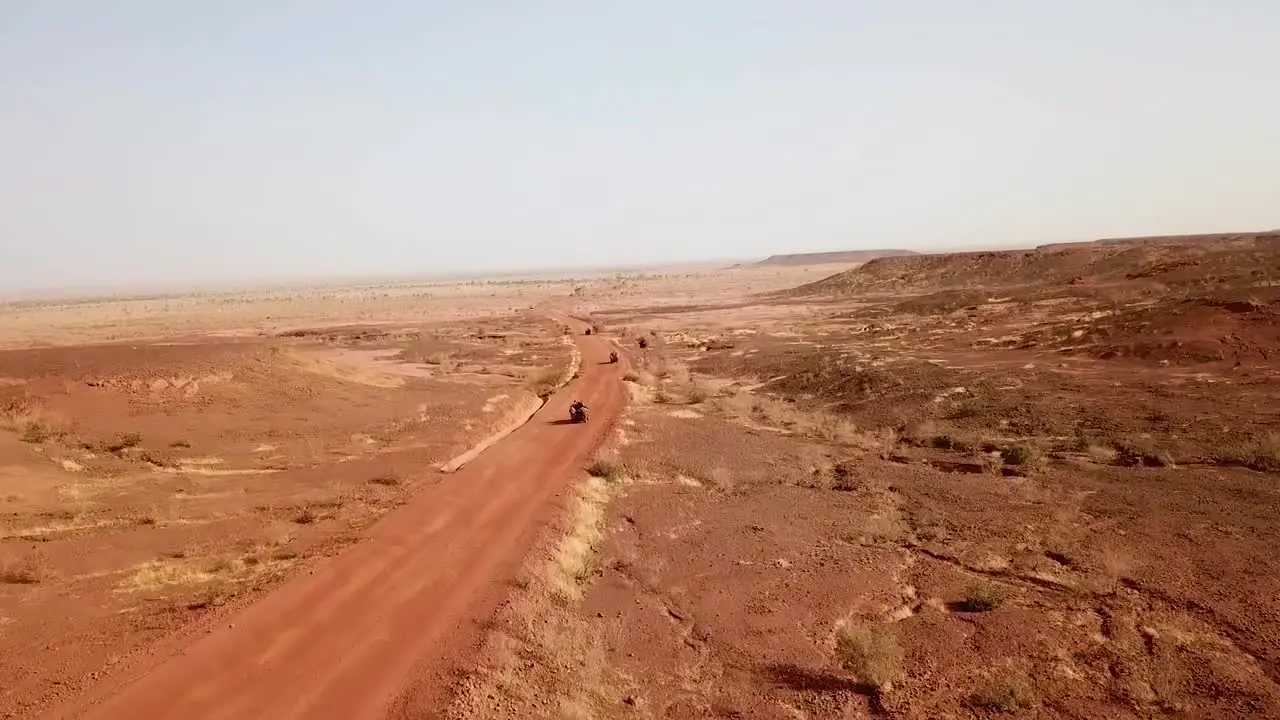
(146,141)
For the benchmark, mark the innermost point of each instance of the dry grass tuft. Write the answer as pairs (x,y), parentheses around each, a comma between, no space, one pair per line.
(124,441)
(1023,455)
(36,432)
(699,391)
(982,597)
(992,463)
(161,575)
(1006,695)
(1261,453)
(606,465)
(573,560)
(26,572)
(28,418)
(306,516)
(211,578)
(831,427)
(544,383)
(871,654)
(1101,454)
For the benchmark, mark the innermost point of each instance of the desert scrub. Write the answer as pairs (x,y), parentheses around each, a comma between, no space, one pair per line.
(573,562)
(982,597)
(545,382)
(606,466)
(26,572)
(1261,453)
(871,654)
(1006,695)
(36,432)
(1023,455)
(124,441)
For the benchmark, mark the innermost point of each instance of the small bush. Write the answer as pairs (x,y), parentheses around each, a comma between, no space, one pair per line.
(27,572)
(699,391)
(306,517)
(180,444)
(36,432)
(1260,453)
(872,655)
(1100,454)
(992,463)
(545,383)
(606,466)
(983,597)
(124,441)
(1022,455)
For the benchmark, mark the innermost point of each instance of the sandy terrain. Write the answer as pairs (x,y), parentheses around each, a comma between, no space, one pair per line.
(166,461)
(1027,484)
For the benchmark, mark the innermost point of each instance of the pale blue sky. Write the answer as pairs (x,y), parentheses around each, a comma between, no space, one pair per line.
(180,141)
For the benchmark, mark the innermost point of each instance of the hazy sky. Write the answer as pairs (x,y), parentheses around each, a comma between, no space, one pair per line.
(177,140)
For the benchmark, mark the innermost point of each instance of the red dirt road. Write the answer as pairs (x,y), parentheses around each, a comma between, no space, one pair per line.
(380,630)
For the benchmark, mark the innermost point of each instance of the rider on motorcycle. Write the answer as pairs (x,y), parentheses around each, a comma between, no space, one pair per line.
(577,407)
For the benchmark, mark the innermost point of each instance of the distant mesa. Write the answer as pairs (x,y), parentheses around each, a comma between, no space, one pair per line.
(831,258)
(1244,259)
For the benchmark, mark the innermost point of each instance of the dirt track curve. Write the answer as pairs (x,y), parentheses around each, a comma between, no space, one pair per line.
(380,630)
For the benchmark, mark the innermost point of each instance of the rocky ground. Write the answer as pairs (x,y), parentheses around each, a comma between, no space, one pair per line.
(943,499)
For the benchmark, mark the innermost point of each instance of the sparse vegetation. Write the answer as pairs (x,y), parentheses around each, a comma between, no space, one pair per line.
(982,597)
(545,382)
(1005,695)
(728,531)
(442,360)
(699,391)
(1100,454)
(24,572)
(124,441)
(572,563)
(606,465)
(992,463)
(27,418)
(36,432)
(871,654)
(1023,455)
(1261,453)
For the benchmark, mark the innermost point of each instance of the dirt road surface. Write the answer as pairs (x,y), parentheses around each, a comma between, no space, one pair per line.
(381,630)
